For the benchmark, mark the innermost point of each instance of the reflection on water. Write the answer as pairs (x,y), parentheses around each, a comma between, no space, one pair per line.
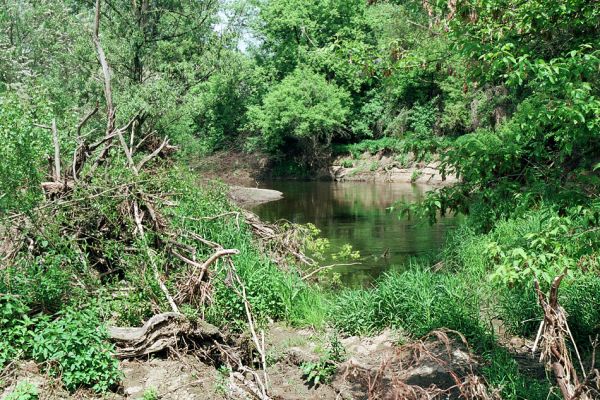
(356,213)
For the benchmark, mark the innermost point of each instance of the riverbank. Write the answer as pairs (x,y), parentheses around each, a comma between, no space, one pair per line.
(248,170)
(320,342)
(385,166)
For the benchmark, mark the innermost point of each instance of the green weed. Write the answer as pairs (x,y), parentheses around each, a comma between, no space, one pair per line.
(150,394)
(74,347)
(322,371)
(24,391)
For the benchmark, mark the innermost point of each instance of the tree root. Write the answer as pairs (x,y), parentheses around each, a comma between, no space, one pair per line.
(159,333)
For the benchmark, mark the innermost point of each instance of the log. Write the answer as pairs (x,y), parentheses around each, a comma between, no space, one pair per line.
(159,333)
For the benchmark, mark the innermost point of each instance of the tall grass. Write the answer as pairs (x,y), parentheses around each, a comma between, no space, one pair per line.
(415,301)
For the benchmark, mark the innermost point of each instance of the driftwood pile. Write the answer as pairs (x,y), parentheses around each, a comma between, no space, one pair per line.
(142,230)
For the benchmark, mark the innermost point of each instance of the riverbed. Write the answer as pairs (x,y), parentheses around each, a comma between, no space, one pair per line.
(357,213)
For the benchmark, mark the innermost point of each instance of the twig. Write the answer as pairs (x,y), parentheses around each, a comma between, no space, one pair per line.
(305,277)
(204,266)
(56,151)
(153,154)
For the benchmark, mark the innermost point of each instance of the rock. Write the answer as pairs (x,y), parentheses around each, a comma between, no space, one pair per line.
(423,178)
(252,196)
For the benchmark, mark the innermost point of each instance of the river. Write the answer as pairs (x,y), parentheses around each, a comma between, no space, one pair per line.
(357,213)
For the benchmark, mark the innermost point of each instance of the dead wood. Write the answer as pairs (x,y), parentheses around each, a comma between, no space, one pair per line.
(161,332)
(280,240)
(439,366)
(553,336)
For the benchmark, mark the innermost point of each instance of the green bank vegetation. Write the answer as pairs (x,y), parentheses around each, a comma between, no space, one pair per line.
(506,93)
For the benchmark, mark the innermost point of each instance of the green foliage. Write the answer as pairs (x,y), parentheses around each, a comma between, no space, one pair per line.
(75,349)
(560,243)
(502,373)
(22,149)
(273,293)
(304,111)
(24,391)
(372,146)
(415,301)
(347,163)
(73,344)
(322,371)
(44,281)
(220,104)
(15,329)
(581,299)
(150,394)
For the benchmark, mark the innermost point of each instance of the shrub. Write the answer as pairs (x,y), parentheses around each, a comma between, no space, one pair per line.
(75,349)
(305,109)
(15,329)
(22,146)
(44,281)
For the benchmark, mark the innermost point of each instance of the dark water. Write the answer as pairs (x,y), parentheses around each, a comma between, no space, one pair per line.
(356,213)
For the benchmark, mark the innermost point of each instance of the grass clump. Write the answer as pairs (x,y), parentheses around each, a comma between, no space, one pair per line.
(416,301)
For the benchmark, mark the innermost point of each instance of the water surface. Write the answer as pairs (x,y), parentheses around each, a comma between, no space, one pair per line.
(357,213)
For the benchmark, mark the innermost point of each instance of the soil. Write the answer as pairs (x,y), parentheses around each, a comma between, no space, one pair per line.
(384,166)
(375,365)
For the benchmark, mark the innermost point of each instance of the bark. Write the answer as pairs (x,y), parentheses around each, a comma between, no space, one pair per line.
(161,332)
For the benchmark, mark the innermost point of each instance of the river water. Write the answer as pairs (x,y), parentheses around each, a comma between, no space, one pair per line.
(357,213)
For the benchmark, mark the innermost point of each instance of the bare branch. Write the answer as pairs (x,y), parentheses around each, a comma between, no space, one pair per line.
(86,119)
(153,154)
(56,151)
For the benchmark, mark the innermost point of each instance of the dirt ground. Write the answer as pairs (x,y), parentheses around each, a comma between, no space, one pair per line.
(375,365)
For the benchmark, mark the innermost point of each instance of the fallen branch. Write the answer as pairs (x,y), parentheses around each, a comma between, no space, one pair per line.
(159,333)
(153,154)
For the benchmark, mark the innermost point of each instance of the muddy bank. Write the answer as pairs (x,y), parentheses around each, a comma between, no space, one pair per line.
(389,167)
(373,367)
(240,169)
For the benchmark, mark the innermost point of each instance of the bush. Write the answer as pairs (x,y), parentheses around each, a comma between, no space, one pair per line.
(22,149)
(75,348)
(15,329)
(304,111)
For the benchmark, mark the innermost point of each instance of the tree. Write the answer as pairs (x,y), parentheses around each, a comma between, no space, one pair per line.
(300,115)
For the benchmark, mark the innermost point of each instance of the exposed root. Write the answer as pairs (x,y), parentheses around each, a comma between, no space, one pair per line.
(552,338)
(161,332)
